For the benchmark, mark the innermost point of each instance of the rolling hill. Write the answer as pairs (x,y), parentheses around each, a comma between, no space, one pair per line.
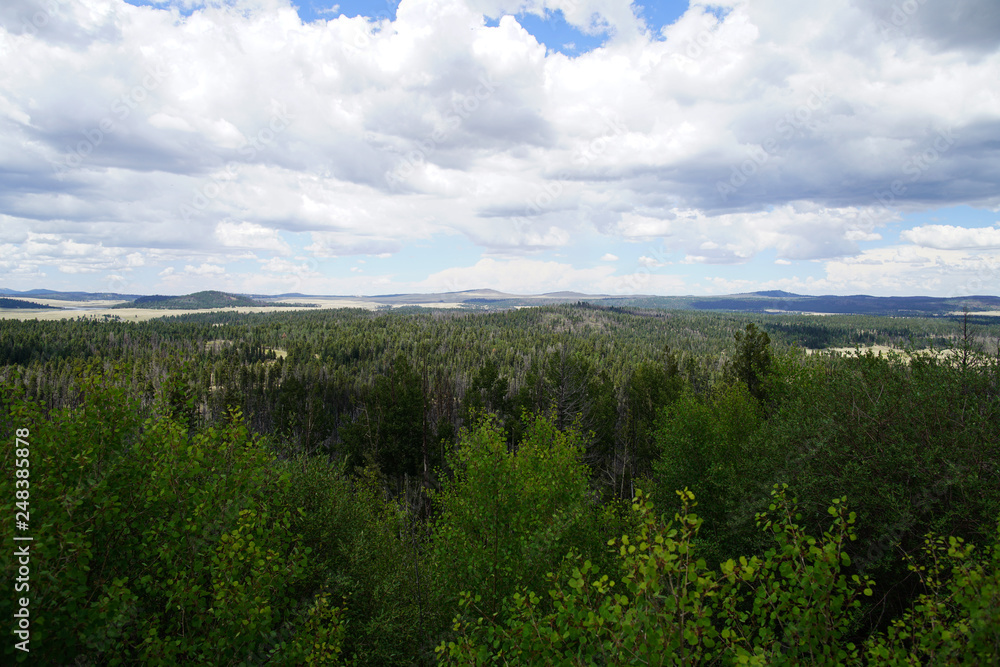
(20,304)
(771,301)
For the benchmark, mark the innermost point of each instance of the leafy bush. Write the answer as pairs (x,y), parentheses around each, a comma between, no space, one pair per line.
(367,550)
(707,444)
(508,516)
(152,543)
(794,605)
(957,621)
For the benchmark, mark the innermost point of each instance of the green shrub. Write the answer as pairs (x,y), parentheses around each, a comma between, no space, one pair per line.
(792,606)
(152,543)
(507,517)
(957,621)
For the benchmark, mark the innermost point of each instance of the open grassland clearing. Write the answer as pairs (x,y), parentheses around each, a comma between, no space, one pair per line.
(887,351)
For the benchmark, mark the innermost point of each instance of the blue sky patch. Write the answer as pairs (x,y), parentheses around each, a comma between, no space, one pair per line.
(557,35)
(552,30)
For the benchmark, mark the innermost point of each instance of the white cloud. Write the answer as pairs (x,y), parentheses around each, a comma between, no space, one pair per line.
(250,235)
(516,276)
(913,270)
(950,237)
(651,262)
(797,230)
(282,265)
(643,282)
(608,257)
(778,128)
(337,244)
(204,270)
(861,235)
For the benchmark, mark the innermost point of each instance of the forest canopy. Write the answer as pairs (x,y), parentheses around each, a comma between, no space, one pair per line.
(556,485)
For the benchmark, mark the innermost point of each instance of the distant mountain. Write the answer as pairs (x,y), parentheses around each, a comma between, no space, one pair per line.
(775,293)
(769,301)
(482,292)
(857,304)
(203,301)
(68,296)
(567,295)
(196,301)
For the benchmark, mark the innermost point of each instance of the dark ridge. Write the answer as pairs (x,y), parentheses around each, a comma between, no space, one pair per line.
(775,293)
(15,304)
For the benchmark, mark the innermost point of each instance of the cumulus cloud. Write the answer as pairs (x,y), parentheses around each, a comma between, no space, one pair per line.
(950,237)
(335,244)
(204,270)
(801,129)
(516,276)
(250,235)
(797,230)
(917,270)
(651,262)
(971,25)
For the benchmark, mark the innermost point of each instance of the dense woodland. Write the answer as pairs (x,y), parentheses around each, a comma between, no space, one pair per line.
(561,485)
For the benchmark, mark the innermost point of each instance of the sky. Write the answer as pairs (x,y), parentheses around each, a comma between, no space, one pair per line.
(528,146)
